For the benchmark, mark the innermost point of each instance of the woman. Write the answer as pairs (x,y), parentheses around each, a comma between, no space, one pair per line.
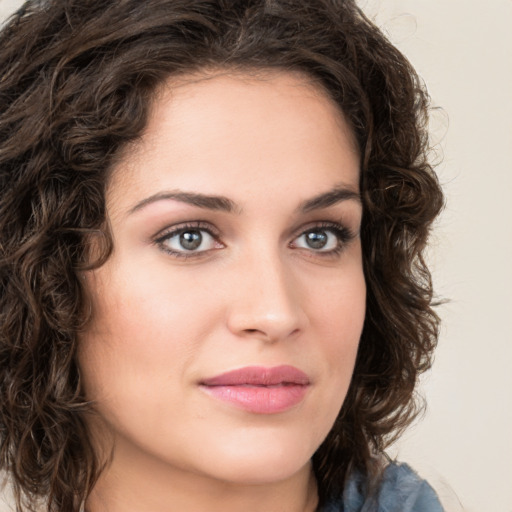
(213,293)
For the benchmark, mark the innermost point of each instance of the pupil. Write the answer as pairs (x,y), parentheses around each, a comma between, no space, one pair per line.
(316,239)
(191,240)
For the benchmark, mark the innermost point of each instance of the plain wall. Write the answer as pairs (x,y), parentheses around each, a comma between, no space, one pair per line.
(463,51)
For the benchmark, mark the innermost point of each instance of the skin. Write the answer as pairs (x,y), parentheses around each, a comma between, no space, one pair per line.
(254,293)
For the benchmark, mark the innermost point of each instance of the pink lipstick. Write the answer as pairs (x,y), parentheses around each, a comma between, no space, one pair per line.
(258,389)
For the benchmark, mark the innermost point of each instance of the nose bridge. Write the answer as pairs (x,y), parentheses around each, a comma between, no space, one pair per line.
(267,300)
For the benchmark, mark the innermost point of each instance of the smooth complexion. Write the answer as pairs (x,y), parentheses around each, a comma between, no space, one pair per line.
(236,224)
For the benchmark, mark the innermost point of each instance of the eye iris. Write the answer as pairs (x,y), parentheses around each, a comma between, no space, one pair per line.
(316,239)
(191,240)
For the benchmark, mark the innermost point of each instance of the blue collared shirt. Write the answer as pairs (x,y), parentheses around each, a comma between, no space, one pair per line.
(401,490)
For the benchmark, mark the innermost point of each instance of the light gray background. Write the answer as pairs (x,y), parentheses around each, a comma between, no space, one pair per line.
(463,50)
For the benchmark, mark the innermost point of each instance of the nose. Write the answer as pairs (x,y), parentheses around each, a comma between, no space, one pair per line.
(267,304)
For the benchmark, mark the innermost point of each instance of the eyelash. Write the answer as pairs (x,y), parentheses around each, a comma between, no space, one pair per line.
(342,233)
(174,231)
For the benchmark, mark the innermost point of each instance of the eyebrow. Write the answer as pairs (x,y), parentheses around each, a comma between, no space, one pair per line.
(221,203)
(329,198)
(208,202)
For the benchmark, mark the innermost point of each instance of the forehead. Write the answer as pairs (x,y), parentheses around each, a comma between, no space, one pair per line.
(217,130)
(229,90)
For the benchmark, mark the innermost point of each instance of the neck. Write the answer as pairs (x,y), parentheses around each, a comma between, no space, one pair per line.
(144,485)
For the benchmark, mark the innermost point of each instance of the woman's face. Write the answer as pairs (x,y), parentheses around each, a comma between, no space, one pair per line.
(227,320)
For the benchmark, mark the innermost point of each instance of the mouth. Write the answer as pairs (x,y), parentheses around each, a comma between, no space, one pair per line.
(258,389)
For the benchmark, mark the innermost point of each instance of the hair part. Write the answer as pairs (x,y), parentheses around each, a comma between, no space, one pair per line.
(78,80)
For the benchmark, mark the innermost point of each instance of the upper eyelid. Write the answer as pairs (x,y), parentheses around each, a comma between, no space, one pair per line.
(325,224)
(183,226)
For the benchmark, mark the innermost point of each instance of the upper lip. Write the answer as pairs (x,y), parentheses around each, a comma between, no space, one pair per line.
(259,376)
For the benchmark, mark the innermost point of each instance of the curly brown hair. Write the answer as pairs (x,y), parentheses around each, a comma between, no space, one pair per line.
(77,80)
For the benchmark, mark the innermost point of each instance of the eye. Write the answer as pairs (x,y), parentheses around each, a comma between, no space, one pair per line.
(323,239)
(188,241)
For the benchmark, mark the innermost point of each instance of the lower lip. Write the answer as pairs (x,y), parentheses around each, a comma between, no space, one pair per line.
(260,399)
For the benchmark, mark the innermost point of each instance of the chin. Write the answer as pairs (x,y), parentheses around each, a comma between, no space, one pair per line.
(259,461)
(259,471)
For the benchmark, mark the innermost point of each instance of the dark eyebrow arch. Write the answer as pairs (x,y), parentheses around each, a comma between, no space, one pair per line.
(218,203)
(329,198)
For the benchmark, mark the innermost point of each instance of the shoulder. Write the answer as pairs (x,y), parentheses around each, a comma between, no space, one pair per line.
(400,490)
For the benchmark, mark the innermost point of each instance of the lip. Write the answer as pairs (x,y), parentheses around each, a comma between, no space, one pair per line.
(259,389)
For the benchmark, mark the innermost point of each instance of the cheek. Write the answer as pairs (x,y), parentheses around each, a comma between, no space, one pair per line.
(129,336)
(147,328)
(339,307)
(339,318)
